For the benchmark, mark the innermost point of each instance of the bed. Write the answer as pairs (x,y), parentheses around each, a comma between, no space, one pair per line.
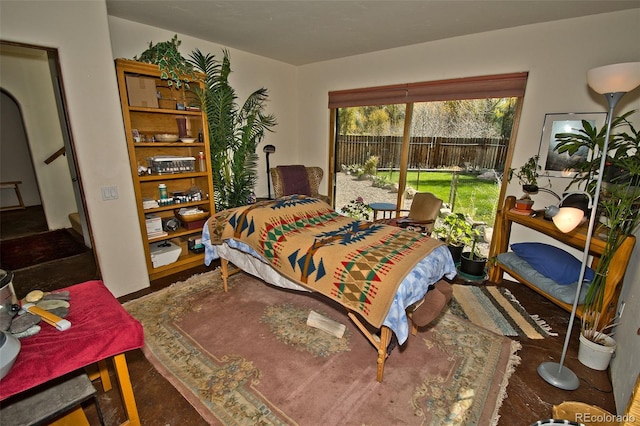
(375,271)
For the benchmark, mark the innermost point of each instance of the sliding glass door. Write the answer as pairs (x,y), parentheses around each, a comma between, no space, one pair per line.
(456,148)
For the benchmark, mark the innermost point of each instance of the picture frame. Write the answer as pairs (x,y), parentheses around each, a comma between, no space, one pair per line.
(553,163)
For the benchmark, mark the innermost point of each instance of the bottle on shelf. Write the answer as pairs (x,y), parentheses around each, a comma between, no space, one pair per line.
(162,191)
(202,164)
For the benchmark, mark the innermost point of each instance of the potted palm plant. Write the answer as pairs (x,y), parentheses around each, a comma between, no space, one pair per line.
(235,131)
(618,206)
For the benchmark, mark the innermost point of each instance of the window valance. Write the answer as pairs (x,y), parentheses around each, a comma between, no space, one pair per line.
(493,86)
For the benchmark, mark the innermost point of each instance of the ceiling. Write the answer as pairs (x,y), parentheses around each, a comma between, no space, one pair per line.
(300,32)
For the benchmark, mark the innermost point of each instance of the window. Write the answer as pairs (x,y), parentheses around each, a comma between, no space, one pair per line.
(427,137)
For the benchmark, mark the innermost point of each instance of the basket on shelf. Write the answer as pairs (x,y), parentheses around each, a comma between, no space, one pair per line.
(191,217)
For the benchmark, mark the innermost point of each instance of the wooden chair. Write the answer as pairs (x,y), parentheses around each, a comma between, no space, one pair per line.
(422,215)
(314,174)
(569,410)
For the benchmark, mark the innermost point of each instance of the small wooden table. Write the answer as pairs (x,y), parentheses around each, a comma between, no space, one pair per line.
(384,208)
(100,329)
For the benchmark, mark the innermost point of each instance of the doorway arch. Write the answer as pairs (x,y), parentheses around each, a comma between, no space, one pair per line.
(31,76)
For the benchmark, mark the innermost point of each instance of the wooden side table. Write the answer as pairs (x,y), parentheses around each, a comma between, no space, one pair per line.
(100,329)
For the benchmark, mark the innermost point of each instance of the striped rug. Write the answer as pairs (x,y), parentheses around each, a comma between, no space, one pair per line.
(496,309)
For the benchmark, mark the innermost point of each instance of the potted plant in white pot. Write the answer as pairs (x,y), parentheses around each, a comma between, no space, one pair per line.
(619,208)
(455,231)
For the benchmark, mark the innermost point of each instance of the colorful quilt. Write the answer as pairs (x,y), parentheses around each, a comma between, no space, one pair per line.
(358,264)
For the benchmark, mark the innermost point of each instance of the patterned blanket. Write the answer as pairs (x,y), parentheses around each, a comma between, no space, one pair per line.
(358,264)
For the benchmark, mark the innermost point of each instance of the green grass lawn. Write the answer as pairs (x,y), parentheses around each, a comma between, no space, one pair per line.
(476,198)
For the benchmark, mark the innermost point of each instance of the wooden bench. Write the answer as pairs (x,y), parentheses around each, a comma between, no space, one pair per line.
(53,402)
(13,185)
(576,239)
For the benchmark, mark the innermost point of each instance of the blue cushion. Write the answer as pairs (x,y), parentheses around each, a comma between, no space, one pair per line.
(565,293)
(552,262)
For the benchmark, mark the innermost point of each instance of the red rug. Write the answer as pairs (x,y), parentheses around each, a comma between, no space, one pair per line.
(18,253)
(247,357)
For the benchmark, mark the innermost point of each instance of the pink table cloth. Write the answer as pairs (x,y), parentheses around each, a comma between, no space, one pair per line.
(100,328)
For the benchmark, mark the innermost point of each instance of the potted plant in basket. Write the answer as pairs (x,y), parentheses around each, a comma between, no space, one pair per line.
(619,207)
(473,262)
(456,232)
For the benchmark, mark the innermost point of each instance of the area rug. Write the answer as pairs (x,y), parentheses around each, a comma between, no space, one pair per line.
(247,357)
(18,253)
(497,309)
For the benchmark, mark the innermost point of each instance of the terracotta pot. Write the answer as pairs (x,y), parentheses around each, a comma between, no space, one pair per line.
(524,204)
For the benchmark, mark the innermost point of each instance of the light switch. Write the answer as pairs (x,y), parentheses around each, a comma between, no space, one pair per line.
(109,193)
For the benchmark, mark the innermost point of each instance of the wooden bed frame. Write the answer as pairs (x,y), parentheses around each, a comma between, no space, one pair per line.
(295,224)
(379,343)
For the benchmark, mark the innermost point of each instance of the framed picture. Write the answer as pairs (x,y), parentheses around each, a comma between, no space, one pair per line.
(562,165)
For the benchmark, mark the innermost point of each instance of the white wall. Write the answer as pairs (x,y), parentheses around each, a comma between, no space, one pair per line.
(27,77)
(556,55)
(249,73)
(15,160)
(80,33)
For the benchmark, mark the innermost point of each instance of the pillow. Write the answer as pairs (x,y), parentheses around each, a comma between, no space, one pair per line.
(295,180)
(565,293)
(552,262)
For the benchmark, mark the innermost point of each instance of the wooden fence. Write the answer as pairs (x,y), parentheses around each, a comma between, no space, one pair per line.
(424,152)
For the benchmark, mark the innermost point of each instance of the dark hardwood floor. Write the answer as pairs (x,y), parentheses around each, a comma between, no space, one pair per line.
(529,398)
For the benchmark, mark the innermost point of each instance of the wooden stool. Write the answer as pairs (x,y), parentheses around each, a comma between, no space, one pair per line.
(49,404)
(13,185)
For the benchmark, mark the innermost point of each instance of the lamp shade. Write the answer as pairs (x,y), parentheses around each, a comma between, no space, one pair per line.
(568,218)
(614,78)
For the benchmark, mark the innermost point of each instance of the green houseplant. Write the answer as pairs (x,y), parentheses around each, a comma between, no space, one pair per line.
(456,232)
(235,130)
(357,209)
(527,175)
(473,262)
(618,205)
(173,66)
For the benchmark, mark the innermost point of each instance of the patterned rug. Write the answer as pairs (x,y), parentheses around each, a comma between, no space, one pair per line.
(247,357)
(496,309)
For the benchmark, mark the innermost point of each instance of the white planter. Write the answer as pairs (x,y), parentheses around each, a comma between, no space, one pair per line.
(594,355)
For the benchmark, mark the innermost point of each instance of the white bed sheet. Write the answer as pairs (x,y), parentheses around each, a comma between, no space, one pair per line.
(413,288)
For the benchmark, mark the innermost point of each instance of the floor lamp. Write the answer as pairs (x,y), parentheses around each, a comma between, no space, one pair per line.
(612,81)
(268,149)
